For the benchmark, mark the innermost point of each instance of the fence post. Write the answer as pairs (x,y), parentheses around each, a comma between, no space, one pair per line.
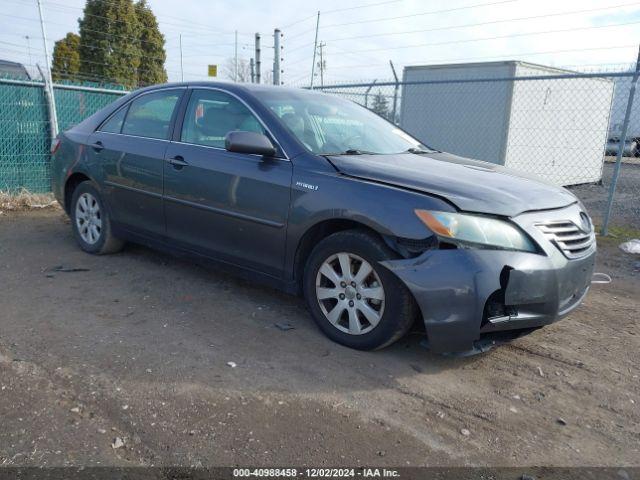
(623,140)
(366,94)
(48,82)
(395,93)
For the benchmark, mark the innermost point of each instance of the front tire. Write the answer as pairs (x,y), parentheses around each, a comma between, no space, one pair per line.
(353,299)
(90,221)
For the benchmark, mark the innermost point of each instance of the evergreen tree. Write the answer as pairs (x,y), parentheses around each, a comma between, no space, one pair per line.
(66,58)
(151,69)
(380,105)
(109,42)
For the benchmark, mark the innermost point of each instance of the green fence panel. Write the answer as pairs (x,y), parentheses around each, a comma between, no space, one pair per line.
(25,132)
(73,106)
(24,138)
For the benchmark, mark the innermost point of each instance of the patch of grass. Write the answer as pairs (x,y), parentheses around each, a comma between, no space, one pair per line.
(618,234)
(25,200)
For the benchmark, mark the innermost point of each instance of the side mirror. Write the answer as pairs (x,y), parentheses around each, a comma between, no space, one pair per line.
(249,142)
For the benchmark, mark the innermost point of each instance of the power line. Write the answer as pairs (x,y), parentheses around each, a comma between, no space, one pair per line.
(188,23)
(68,57)
(335,10)
(498,37)
(432,61)
(497,57)
(431,12)
(129,37)
(468,25)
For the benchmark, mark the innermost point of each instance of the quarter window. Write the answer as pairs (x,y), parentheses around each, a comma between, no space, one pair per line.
(114,124)
(150,115)
(212,114)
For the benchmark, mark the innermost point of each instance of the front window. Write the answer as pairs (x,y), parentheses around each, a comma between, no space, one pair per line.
(212,114)
(329,125)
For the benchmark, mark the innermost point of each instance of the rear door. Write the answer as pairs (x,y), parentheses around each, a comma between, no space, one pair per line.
(129,150)
(233,206)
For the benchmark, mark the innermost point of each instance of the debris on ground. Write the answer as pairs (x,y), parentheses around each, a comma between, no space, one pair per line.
(284,326)
(632,246)
(540,372)
(561,421)
(465,432)
(63,269)
(25,200)
(117,443)
(232,364)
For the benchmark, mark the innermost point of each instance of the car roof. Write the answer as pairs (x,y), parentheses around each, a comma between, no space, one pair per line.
(229,86)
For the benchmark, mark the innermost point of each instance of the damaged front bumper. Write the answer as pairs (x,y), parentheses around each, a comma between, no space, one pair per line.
(472,298)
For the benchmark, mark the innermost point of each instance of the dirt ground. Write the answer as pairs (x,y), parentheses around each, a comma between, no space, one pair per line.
(134,349)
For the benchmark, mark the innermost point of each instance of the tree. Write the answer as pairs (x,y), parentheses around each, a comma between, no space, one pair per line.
(380,105)
(151,69)
(66,58)
(244,70)
(109,42)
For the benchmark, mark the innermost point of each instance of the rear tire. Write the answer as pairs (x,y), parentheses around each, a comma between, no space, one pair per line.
(90,221)
(367,307)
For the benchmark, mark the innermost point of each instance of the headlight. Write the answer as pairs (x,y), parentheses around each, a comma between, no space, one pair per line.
(476,229)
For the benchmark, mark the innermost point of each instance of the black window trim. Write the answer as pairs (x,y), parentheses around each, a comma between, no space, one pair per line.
(172,121)
(179,124)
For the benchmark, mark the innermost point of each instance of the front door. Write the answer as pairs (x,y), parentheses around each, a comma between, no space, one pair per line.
(129,149)
(233,206)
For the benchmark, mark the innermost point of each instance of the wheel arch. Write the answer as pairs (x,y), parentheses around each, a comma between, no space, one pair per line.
(70,185)
(316,233)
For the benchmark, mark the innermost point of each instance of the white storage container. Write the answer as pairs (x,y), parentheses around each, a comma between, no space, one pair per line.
(556,129)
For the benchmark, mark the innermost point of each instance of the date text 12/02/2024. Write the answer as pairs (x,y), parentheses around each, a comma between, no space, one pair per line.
(316,473)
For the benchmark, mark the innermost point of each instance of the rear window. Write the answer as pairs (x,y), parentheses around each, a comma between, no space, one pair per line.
(150,115)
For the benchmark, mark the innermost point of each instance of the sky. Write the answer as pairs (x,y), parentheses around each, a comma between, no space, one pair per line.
(360,37)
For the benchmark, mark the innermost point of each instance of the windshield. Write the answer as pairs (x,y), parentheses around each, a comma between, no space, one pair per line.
(329,125)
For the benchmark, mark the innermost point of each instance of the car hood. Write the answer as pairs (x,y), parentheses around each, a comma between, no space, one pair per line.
(471,185)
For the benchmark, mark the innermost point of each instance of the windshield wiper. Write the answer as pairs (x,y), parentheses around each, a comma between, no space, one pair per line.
(352,151)
(418,151)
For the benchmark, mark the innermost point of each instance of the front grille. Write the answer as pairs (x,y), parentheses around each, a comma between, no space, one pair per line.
(571,239)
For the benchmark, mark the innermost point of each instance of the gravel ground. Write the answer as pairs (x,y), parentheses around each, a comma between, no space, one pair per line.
(626,204)
(134,352)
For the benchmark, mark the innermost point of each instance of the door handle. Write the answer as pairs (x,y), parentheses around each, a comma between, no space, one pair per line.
(97,146)
(177,162)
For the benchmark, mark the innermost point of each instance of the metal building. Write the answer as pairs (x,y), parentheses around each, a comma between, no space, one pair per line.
(554,128)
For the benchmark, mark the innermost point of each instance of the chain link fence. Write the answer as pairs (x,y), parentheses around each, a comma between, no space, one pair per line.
(563,127)
(25,137)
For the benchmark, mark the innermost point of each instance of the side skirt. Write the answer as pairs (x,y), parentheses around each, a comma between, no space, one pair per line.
(162,244)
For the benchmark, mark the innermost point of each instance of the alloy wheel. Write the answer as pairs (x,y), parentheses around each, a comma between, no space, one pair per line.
(88,218)
(350,293)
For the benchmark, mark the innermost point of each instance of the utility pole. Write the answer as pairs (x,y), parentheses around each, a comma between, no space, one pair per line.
(315,48)
(321,65)
(277,56)
(235,67)
(53,115)
(257,56)
(181,64)
(253,72)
